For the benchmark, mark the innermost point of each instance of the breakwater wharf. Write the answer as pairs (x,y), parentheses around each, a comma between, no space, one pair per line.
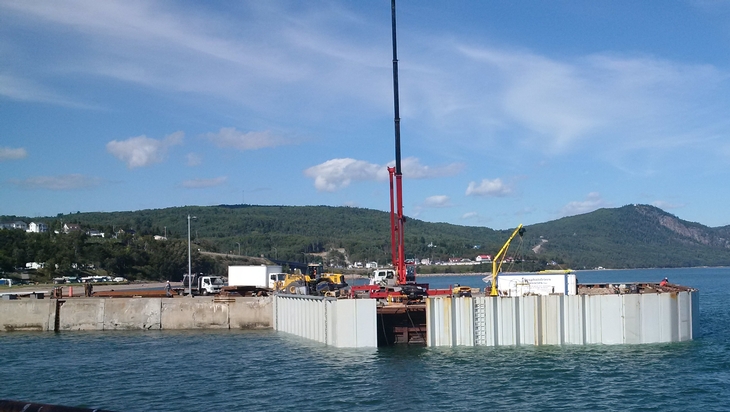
(100,314)
(634,314)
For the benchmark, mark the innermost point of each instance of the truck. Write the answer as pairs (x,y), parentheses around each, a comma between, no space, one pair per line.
(256,280)
(201,284)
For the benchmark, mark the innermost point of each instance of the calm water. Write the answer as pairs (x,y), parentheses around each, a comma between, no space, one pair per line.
(264,370)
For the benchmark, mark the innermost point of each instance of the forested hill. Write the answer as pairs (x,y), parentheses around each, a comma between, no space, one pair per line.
(625,237)
(629,237)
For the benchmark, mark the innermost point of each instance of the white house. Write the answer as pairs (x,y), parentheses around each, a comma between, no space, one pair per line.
(484,258)
(70,227)
(19,224)
(37,227)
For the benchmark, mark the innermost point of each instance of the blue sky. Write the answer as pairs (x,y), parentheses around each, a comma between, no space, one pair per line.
(512,111)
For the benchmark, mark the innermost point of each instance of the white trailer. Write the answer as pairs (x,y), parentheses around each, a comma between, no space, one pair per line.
(522,284)
(261,277)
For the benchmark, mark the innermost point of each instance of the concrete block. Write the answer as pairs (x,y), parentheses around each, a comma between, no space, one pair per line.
(193,313)
(132,313)
(82,314)
(27,315)
(251,312)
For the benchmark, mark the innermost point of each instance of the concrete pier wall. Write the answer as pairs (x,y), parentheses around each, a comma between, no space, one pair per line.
(559,319)
(135,313)
(348,323)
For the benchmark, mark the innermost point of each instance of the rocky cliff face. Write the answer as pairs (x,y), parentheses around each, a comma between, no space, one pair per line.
(691,231)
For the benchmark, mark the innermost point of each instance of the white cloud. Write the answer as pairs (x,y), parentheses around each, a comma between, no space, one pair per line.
(631,101)
(143,151)
(230,137)
(337,174)
(488,187)
(470,215)
(64,182)
(204,183)
(9,153)
(412,168)
(19,88)
(593,201)
(437,201)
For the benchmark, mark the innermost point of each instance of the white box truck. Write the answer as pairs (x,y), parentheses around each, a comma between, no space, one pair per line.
(257,280)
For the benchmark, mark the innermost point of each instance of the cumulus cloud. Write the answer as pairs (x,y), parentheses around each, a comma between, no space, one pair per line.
(337,174)
(592,202)
(229,137)
(437,201)
(495,188)
(143,151)
(9,153)
(64,182)
(204,183)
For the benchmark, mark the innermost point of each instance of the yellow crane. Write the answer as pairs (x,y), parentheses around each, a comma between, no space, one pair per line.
(499,258)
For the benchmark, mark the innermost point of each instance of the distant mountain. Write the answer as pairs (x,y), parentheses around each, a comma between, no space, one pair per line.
(630,237)
(633,236)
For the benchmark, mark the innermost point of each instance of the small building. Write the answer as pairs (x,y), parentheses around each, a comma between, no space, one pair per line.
(37,227)
(71,227)
(18,224)
(484,258)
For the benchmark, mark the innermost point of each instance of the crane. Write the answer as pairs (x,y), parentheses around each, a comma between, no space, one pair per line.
(499,258)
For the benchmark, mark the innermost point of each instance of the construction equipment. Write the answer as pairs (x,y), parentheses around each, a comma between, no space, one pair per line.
(461,291)
(253,280)
(314,282)
(499,258)
(403,282)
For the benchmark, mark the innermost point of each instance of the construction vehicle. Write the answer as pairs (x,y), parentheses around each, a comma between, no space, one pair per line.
(461,291)
(405,286)
(201,284)
(258,280)
(315,281)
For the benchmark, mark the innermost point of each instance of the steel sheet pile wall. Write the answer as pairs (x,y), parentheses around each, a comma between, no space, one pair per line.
(347,323)
(560,319)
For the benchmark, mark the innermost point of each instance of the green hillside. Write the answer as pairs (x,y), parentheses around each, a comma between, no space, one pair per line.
(632,236)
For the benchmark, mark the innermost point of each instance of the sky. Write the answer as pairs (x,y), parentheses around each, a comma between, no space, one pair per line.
(511,111)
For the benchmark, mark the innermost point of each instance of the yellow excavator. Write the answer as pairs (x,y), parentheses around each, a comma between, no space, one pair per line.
(314,282)
(499,258)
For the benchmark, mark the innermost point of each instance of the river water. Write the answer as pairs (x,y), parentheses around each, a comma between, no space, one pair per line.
(265,370)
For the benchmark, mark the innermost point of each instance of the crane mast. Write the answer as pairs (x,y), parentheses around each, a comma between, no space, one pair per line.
(397,220)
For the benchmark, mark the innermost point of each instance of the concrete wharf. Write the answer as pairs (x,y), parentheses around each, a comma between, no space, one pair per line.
(598,314)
